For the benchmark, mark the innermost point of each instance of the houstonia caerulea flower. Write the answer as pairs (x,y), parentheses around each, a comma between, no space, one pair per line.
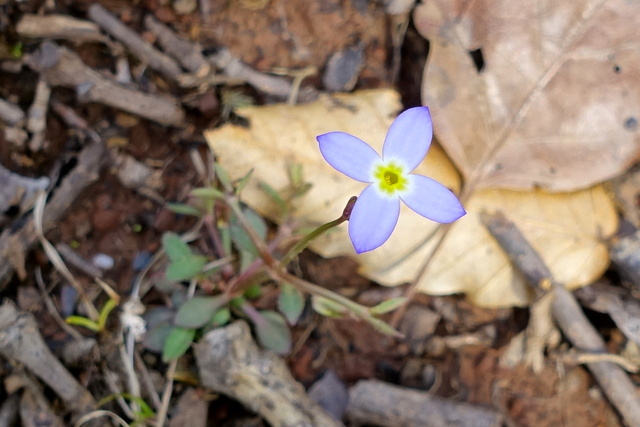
(377,209)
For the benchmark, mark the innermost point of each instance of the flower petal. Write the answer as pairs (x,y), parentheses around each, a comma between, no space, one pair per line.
(432,200)
(409,137)
(349,155)
(373,219)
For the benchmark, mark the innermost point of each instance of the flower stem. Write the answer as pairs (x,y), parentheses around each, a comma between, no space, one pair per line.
(304,242)
(279,274)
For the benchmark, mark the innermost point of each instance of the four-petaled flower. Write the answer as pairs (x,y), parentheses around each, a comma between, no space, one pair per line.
(376,211)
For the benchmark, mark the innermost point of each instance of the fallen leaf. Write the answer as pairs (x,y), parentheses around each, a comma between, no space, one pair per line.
(534,94)
(568,229)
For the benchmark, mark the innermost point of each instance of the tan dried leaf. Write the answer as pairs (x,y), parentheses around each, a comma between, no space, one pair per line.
(567,229)
(556,101)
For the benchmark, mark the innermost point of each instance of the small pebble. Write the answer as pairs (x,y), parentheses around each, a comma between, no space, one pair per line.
(68,297)
(331,394)
(141,260)
(343,68)
(103,261)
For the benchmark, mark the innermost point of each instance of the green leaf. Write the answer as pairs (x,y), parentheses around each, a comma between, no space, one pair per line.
(253,291)
(207,193)
(384,327)
(186,268)
(156,337)
(145,409)
(273,195)
(198,311)
(247,258)
(184,209)
(107,308)
(257,223)
(290,303)
(272,332)
(387,306)
(239,235)
(178,342)
(225,237)
(326,307)
(17,50)
(303,189)
(296,174)
(174,246)
(242,182)
(221,317)
(223,177)
(84,322)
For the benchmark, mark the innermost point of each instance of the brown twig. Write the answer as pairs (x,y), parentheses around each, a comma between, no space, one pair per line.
(20,341)
(230,362)
(375,402)
(233,67)
(59,27)
(53,310)
(72,119)
(37,121)
(14,242)
(10,113)
(141,48)
(184,51)
(60,66)
(614,382)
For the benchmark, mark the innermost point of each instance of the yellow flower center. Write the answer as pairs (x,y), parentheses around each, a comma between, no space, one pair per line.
(390,178)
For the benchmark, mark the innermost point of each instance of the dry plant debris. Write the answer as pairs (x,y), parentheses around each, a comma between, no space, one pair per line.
(535,104)
(568,229)
(534,95)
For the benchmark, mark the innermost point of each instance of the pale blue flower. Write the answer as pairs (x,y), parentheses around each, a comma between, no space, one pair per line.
(376,211)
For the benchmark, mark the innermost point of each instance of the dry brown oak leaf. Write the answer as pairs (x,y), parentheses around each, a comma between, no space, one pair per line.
(534,94)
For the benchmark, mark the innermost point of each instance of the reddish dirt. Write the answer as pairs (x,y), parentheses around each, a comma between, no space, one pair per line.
(122,223)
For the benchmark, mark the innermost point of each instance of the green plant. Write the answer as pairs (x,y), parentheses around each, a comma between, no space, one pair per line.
(236,264)
(98,325)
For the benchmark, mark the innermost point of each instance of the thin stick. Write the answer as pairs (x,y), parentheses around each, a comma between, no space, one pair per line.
(141,48)
(278,273)
(53,310)
(614,382)
(166,394)
(56,260)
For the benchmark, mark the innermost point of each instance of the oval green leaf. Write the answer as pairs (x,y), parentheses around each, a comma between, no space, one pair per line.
(387,306)
(186,268)
(178,342)
(184,209)
(326,307)
(198,311)
(290,303)
(273,332)
(174,246)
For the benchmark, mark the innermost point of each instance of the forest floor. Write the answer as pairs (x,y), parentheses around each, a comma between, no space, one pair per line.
(113,160)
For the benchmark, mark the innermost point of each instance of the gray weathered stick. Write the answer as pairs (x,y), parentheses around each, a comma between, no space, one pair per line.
(139,47)
(184,51)
(614,382)
(14,242)
(233,67)
(230,362)
(21,342)
(10,113)
(60,66)
(382,404)
(59,27)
